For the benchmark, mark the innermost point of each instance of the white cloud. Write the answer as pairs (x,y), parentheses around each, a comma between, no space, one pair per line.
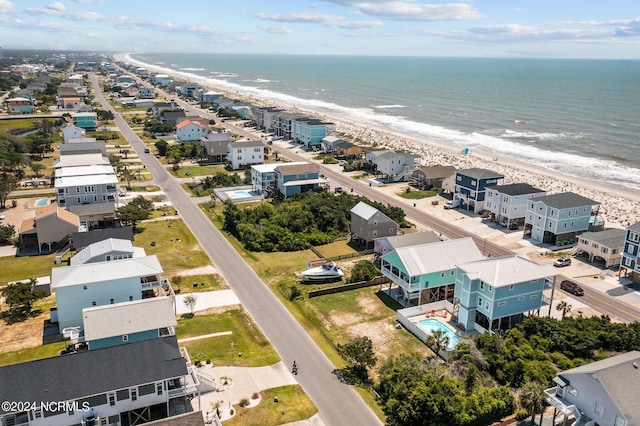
(56,6)
(6,7)
(88,1)
(277,29)
(332,21)
(409,10)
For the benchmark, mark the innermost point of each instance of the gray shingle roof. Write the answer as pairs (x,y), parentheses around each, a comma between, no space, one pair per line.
(83,239)
(618,376)
(517,189)
(635,227)
(70,377)
(92,209)
(612,238)
(436,172)
(480,173)
(566,200)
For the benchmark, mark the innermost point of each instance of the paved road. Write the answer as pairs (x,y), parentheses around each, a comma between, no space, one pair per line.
(339,404)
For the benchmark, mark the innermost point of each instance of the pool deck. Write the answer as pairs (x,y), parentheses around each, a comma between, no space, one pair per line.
(225,194)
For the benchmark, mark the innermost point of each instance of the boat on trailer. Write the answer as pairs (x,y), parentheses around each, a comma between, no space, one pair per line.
(327,272)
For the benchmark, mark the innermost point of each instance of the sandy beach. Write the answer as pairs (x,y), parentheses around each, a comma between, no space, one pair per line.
(620,206)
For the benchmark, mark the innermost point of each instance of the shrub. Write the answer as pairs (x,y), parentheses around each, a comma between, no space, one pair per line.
(522,414)
(244,402)
(255,395)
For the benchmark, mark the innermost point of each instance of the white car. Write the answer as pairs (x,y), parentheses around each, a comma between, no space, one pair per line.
(2,217)
(563,261)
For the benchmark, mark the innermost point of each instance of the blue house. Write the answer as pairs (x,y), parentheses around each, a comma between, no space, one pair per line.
(294,179)
(85,120)
(631,253)
(128,322)
(311,131)
(495,293)
(470,187)
(557,219)
(426,273)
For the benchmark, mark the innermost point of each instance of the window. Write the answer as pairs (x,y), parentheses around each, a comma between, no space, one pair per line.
(511,287)
(486,305)
(93,303)
(111,302)
(502,303)
(130,298)
(619,421)
(474,182)
(134,394)
(552,212)
(375,222)
(520,298)
(452,273)
(442,275)
(84,287)
(573,391)
(481,285)
(159,388)
(490,289)
(458,178)
(480,301)
(112,399)
(598,409)
(391,230)
(550,224)
(125,337)
(533,296)
(375,232)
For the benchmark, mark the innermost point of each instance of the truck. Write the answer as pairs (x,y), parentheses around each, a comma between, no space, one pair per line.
(452,204)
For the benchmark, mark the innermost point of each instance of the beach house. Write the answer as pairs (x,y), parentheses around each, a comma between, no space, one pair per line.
(190,130)
(369,223)
(471,187)
(329,143)
(119,385)
(243,154)
(557,219)
(126,322)
(310,131)
(21,105)
(426,273)
(162,79)
(107,250)
(297,178)
(432,176)
(214,146)
(146,92)
(263,178)
(102,283)
(49,228)
(85,120)
(508,203)
(210,97)
(631,253)
(394,166)
(266,118)
(72,132)
(80,240)
(602,392)
(495,293)
(86,184)
(603,247)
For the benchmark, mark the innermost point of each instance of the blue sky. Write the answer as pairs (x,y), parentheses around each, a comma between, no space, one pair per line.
(488,28)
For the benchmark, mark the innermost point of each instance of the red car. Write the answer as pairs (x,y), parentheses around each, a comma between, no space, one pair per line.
(572,288)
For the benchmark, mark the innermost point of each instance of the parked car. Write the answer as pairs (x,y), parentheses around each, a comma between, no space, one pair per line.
(563,261)
(453,204)
(2,217)
(572,288)
(146,150)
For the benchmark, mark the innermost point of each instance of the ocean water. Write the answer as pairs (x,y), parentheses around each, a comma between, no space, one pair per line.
(581,117)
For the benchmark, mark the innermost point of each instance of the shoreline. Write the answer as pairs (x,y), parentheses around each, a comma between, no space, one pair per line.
(618,205)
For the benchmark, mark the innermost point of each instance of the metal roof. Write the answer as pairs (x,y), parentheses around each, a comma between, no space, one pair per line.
(101,322)
(105,271)
(364,210)
(105,247)
(438,256)
(502,271)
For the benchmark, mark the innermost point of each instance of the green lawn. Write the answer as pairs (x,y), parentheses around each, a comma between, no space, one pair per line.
(195,171)
(245,335)
(16,123)
(20,268)
(293,405)
(337,248)
(417,195)
(185,284)
(176,247)
(145,188)
(30,354)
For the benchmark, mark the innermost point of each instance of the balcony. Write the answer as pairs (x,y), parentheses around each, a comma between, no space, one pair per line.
(399,280)
(556,400)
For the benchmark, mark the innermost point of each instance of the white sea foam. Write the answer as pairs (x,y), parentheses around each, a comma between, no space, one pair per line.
(540,135)
(388,106)
(192,69)
(599,169)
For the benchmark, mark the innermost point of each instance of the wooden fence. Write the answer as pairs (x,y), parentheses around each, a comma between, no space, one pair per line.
(346,287)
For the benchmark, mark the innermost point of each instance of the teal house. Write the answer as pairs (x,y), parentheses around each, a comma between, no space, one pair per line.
(495,293)
(85,120)
(128,322)
(311,131)
(426,273)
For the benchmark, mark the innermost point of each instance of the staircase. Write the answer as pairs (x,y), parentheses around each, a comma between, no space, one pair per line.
(207,383)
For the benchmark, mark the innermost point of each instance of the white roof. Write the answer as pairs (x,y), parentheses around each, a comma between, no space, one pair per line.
(508,270)
(103,179)
(128,317)
(84,114)
(102,169)
(439,256)
(303,182)
(75,160)
(105,247)
(105,271)
(364,210)
(271,168)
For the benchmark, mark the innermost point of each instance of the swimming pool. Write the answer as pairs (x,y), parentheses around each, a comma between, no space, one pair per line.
(41,202)
(238,194)
(430,325)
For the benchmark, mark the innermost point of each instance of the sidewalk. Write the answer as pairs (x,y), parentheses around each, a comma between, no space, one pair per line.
(206,300)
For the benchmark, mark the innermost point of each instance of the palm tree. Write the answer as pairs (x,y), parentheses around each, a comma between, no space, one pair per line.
(564,307)
(438,340)
(533,399)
